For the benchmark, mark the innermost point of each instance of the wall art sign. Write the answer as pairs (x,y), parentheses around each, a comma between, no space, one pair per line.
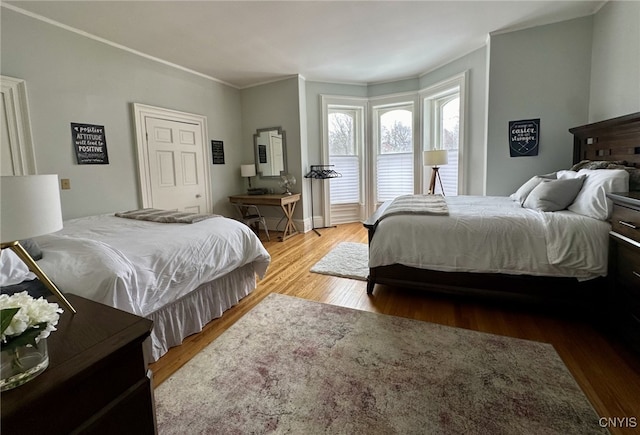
(524,137)
(90,143)
(217,152)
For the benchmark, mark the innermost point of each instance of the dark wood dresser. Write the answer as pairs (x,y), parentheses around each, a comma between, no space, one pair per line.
(624,266)
(97,380)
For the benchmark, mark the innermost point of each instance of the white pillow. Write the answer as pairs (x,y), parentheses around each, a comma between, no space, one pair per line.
(554,195)
(563,175)
(12,269)
(521,194)
(592,199)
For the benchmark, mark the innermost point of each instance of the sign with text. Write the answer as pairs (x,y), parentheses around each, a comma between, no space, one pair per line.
(524,137)
(217,152)
(90,143)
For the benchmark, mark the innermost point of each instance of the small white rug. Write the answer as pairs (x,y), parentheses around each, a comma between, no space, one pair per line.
(347,260)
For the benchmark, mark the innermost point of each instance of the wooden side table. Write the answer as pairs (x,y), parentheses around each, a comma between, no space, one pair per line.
(96,382)
(286,202)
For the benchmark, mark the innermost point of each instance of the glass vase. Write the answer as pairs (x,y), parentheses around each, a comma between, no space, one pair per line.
(22,364)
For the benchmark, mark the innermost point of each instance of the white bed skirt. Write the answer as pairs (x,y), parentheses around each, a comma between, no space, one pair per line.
(188,315)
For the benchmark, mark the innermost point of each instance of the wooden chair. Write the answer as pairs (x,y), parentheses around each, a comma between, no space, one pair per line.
(250,216)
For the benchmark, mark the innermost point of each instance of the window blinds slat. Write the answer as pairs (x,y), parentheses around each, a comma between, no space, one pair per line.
(346,189)
(394,175)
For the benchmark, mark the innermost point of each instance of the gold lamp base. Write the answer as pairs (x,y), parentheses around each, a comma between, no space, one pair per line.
(33,267)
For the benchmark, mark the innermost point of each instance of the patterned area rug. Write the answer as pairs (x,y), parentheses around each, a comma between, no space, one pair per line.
(302,367)
(347,260)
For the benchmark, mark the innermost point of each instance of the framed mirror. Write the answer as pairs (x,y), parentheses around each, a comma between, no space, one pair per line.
(271,152)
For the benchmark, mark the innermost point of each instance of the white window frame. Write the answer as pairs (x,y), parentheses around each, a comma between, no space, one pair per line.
(430,128)
(385,103)
(359,105)
(422,128)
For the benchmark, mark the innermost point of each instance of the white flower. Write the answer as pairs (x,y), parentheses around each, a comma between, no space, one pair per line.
(32,312)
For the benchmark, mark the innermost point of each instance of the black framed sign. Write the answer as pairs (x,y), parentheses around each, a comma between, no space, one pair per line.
(90,143)
(217,152)
(262,153)
(524,137)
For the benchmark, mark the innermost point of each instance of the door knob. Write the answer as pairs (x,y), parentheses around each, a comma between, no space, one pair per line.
(198,195)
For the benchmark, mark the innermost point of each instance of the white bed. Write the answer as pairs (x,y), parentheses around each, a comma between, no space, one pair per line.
(181,276)
(494,235)
(552,232)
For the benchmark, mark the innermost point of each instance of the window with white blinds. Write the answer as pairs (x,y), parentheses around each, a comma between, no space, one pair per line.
(376,144)
(394,175)
(394,156)
(344,145)
(346,189)
(442,130)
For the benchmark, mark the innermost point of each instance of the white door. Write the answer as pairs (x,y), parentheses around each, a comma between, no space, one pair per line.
(176,165)
(6,154)
(17,156)
(277,159)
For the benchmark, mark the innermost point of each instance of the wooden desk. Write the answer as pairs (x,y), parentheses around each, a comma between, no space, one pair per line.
(286,202)
(96,381)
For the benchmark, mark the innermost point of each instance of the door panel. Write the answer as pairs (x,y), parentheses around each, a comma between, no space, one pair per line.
(190,169)
(166,167)
(176,165)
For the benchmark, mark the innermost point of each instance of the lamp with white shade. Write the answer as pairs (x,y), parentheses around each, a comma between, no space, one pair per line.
(435,158)
(248,171)
(30,208)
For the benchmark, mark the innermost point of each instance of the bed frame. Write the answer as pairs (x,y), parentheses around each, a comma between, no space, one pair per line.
(613,139)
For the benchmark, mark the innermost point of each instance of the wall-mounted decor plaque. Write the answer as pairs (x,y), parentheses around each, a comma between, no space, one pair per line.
(90,143)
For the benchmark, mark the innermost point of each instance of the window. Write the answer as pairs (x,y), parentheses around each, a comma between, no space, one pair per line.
(442,129)
(447,116)
(343,147)
(343,154)
(376,144)
(394,151)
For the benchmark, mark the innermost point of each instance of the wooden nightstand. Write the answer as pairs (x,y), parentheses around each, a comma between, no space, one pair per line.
(624,266)
(96,382)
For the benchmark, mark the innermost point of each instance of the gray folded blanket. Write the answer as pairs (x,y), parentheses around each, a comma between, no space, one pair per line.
(164,216)
(417,205)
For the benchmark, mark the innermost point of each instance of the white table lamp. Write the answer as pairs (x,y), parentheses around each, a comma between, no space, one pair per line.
(435,158)
(248,171)
(30,208)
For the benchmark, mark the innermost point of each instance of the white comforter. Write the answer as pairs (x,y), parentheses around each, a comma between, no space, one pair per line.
(141,266)
(494,235)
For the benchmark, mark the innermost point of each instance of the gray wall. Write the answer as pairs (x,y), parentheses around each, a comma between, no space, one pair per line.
(542,72)
(71,78)
(275,104)
(547,72)
(474,141)
(615,61)
(313,114)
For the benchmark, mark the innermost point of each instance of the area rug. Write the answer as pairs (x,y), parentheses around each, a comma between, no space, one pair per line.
(301,367)
(347,260)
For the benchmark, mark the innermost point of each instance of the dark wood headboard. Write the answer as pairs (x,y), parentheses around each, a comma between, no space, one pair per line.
(613,139)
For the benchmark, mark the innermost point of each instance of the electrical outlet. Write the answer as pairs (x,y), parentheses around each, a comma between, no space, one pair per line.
(65,184)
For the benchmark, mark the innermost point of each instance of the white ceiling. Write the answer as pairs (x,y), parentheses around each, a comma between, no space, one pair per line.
(243,43)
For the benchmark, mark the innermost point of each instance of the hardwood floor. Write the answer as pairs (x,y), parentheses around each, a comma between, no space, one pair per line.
(607,371)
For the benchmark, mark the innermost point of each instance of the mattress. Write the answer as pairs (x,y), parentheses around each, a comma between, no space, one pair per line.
(141,266)
(487,234)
